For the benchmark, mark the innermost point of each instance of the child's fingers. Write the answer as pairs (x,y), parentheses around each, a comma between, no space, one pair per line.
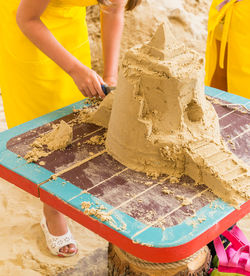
(98,87)
(100,92)
(86,92)
(100,79)
(93,89)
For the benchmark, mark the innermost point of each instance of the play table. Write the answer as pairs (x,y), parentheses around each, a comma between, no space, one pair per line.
(146,217)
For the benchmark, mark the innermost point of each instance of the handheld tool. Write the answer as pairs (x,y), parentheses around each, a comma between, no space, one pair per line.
(107,89)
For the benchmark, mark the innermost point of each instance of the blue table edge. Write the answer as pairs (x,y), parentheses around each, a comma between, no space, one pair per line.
(148,237)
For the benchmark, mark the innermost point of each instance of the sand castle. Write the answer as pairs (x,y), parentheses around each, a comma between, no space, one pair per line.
(161,122)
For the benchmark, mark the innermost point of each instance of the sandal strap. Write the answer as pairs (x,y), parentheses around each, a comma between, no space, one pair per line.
(236,237)
(239,234)
(220,251)
(234,261)
(247,266)
(55,243)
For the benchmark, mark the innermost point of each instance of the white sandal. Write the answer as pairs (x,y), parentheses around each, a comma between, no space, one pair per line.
(55,243)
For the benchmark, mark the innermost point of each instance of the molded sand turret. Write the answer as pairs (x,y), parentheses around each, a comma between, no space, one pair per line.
(160,114)
(159,103)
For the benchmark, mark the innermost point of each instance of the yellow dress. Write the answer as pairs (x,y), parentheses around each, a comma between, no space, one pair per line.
(31,83)
(233,18)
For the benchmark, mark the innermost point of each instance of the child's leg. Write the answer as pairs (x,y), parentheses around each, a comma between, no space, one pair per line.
(57,226)
(219,79)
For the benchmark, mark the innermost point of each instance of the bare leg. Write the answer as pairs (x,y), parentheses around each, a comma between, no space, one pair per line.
(219,79)
(57,226)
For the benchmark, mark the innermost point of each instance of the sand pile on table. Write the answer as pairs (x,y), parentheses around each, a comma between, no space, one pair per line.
(58,138)
(188,19)
(161,122)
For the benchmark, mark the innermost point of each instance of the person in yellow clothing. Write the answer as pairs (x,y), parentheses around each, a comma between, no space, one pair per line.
(45,65)
(228,55)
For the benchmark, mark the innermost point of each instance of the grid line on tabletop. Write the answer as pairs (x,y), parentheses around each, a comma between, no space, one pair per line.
(166,215)
(77,164)
(136,196)
(241,134)
(87,190)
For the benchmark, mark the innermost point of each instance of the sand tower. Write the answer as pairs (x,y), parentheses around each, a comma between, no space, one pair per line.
(161,122)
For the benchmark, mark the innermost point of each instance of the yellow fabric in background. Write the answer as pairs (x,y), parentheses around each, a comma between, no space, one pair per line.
(32,84)
(236,28)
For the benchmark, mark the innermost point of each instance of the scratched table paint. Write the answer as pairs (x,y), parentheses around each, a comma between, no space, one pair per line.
(143,220)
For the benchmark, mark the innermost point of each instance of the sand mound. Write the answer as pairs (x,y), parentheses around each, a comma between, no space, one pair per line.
(188,20)
(161,122)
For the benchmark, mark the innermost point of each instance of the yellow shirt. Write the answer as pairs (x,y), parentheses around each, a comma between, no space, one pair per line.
(31,83)
(234,32)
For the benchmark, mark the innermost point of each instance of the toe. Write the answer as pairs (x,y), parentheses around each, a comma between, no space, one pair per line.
(64,249)
(72,248)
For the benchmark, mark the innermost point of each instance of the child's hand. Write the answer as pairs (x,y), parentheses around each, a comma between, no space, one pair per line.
(87,81)
(110,81)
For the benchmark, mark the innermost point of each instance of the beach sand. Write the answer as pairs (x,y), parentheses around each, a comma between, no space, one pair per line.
(23,247)
(24,250)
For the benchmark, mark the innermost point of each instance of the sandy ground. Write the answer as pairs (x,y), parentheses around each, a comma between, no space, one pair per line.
(23,248)
(188,19)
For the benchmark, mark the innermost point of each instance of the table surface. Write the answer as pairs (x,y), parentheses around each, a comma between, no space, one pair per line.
(126,207)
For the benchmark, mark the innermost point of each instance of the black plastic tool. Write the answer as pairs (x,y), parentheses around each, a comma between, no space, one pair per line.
(107,89)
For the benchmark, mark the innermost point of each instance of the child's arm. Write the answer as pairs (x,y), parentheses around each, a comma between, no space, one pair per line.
(112,25)
(28,19)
